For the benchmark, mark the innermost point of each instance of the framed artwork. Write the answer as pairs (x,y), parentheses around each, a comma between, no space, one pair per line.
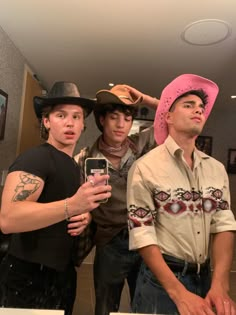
(140,124)
(204,144)
(3,113)
(231,163)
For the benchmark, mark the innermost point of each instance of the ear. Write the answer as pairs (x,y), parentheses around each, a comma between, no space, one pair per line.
(46,122)
(101,120)
(168,118)
(83,127)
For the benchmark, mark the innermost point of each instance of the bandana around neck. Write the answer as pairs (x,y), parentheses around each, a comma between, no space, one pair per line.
(115,151)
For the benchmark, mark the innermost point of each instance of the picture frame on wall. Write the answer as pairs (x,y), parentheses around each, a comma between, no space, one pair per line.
(231,163)
(204,144)
(3,112)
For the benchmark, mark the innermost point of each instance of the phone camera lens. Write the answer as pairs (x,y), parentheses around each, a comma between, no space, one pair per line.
(102,164)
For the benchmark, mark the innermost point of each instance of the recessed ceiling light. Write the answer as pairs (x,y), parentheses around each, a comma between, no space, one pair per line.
(233,96)
(206,32)
(111,84)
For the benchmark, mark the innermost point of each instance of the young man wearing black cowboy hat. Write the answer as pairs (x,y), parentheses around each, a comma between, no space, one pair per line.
(179,210)
(114,263)
(45,206)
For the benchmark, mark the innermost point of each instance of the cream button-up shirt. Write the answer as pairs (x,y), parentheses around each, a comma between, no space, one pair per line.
(175,207)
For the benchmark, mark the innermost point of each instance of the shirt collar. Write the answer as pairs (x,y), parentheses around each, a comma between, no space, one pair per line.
(176,150)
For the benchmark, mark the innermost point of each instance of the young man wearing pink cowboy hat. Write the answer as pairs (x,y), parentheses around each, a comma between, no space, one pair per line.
(178,199)
(44,206)
(114,263)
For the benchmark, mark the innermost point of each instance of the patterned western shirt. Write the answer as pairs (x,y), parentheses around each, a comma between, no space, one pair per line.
(175,207)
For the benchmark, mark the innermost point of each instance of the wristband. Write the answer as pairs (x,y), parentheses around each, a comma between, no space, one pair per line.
(67,216)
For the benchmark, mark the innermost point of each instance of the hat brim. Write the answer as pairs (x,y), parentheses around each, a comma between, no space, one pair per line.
(178,87)
(41,102)
(107,97)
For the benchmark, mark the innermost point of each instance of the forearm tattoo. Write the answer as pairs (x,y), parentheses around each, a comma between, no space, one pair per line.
(27,186)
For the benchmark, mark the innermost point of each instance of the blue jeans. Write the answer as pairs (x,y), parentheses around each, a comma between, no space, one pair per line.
(151,298)
(113,264)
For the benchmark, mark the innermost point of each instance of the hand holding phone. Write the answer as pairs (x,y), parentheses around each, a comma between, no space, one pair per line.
(95,167)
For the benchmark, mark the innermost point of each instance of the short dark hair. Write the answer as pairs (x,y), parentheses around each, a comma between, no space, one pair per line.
(102,110)
(200,93)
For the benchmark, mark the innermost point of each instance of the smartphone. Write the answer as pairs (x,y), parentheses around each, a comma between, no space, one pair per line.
(96,166)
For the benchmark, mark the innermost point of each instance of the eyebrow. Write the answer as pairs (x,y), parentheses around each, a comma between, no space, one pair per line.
(193,102)
(65,111)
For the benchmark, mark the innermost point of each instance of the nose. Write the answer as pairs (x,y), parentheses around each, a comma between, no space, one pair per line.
(69,122)
(199,110)
(120,122)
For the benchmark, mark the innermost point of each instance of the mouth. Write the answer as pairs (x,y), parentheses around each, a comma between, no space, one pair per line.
(118,133)
(197,119)
(69,133)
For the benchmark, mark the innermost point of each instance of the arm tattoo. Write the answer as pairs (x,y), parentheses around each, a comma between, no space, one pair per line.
(27,186)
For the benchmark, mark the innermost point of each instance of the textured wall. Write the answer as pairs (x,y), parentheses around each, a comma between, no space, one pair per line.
(11,81)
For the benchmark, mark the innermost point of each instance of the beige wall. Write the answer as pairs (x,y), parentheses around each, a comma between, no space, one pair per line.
(221,124)
(11,81)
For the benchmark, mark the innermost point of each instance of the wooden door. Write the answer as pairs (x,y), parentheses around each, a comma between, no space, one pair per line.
(29,131)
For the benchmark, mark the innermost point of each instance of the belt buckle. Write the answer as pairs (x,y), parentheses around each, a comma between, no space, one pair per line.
(198,268)
(185,268)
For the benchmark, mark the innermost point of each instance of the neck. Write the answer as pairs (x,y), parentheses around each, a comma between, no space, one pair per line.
(112,144)
(187,145)
(67,149)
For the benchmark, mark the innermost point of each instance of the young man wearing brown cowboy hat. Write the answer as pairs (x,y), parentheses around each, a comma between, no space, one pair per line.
(44,206)
(178,199)
(114,263)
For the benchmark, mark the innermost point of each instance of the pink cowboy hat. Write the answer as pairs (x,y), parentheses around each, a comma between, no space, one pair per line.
(176,88)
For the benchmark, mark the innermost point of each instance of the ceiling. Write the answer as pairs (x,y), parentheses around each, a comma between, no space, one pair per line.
(138,42)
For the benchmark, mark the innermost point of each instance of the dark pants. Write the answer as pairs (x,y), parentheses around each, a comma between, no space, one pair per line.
(113,264)
(29,285)
(151,298)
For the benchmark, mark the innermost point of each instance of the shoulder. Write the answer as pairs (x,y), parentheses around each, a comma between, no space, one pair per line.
(32,160)
(148,160)
(33,152)
(210,161)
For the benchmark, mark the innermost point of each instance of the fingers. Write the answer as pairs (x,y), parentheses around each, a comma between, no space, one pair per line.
(97,179)
(100,186)
(76,232)
(92,182)
(229,307)
(77,224)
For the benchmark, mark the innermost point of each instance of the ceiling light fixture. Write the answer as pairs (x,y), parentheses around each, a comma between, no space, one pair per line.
(111,84)
(206,32)
(233,96)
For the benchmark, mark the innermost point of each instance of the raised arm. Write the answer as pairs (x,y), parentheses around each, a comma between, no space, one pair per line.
(147,100)
(20,211)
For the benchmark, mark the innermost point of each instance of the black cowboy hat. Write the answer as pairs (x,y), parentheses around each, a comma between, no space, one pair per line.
(63,93)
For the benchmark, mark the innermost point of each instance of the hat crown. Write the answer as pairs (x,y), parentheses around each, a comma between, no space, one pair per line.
(62,93)
(63,89)
(119,94)
(122,92)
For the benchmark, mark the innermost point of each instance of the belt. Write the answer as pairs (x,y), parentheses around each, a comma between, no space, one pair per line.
(124,234)
(27,266)
(179,265)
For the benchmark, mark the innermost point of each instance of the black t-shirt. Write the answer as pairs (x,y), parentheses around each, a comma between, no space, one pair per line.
(51,246)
